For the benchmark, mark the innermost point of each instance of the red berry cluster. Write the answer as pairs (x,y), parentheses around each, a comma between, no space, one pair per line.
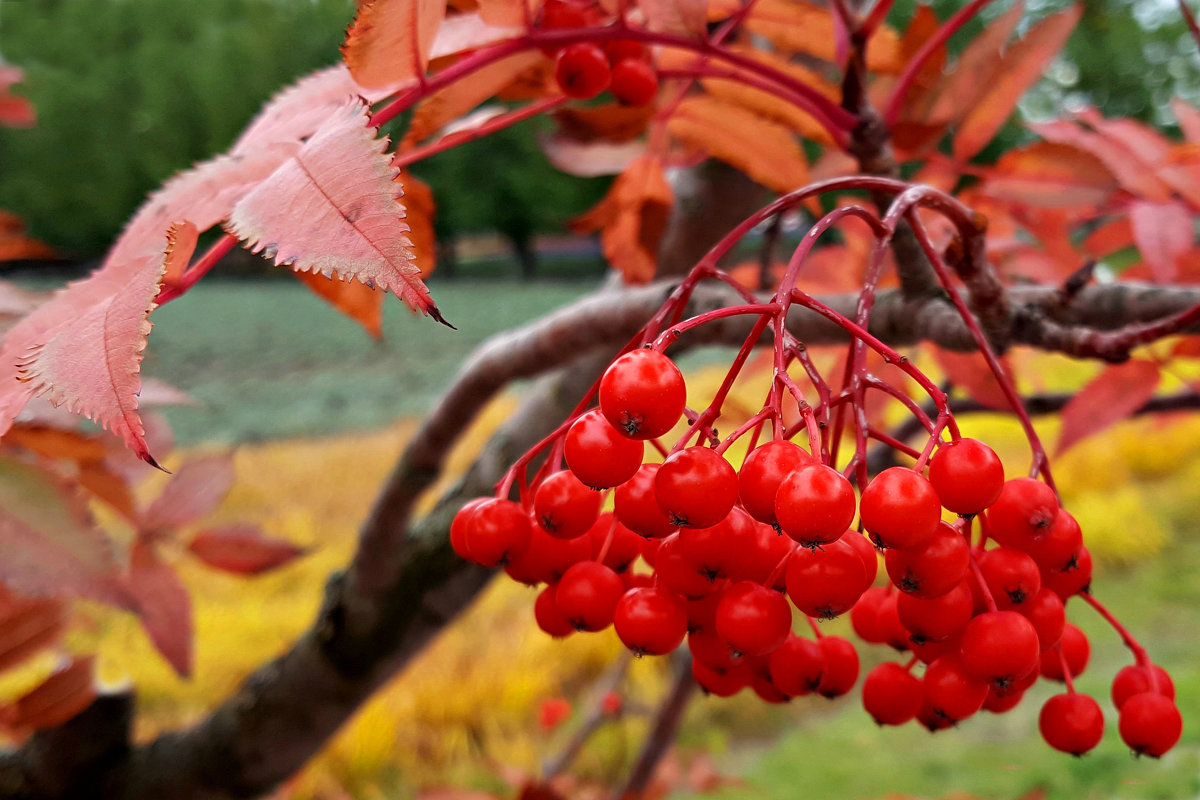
(584,70)
(727,549)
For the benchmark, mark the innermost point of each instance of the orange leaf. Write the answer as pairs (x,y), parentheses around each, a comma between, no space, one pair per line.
(973,72)
(342,212)
(1163,232)
(921,95)
(109,486)
(606,122)
(28,625)
(687,17)
(969,372)
(461,96)
(503,12)
(163,605)
(390,40)
(56,443)
(1046,174)
(631,218)
(1134,175)
(764,150)
(69,690)
(242,550)
(1109,238)
(1020,67)
(1111,396)
(802,27)
(14,244)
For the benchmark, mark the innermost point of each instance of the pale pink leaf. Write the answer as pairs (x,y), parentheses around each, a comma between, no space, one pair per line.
(589,159)
(1143,141)
(335,208)
(51,546)
(463,32)
(192,493)
(687,17)
(1163,232)
(161,393)
(90,361)
(1111,396)
(163,605)
(242,550)
(390,40)
(1189,119)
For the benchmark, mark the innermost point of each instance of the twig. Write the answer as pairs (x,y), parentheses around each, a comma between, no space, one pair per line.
(662,734)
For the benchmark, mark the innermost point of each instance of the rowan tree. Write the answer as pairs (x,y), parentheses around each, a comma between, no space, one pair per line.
(862,131)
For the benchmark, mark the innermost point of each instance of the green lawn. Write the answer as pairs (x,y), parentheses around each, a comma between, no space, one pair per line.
(268,359)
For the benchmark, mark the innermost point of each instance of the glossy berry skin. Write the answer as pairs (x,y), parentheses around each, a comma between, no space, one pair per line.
(1049,617)
(1061,545)
(1150,724)
(1011,576)
(753,619)
(936,618)
(635,505)
(841,666)
(933,570)
(496,531)
(696,487)
(560,15)
(564,507)
(1072,723)
(1000,648)
(619,50)
(797,666)
(1074,648)
(582,70)
(814,505)
(1134,679)
(619,545)
(967,476)
(458,527)
(825,582)
(550,618)
(720,683)
(599,455)
(950,691)
(588,595)
(650,621)
(642,393)
(1023,513)
(634,82)
(900,509)
(763,470)
(891,694)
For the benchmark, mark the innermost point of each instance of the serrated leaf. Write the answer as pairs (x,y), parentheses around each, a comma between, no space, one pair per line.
(163,605)
(765,151)
(1163,232)
(68,691)
(335,208)
(1049,175)
(1020,67)
(28,625)
(51,546)
(686,17)
(91,359)
(802,27)
(242,550)
(458,98)
(632,218)
(1111,396)
(390,40)
(192,492)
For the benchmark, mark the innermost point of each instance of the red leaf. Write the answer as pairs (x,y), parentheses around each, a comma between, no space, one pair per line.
(974,70)
(969,372)
(192,493)
(1045,174)
(1163,232)
(15,112)
(91,356)
(1019,68)
(69,690)
(632,217)
(343,213)
(163,605)
(50,544)
(1134,175)
(28,625)
(390,40)
(1189,119)
(243,550)
(687,17)
(1111,396)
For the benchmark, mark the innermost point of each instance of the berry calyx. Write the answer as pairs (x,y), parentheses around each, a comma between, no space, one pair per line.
(696,487)
(642,393)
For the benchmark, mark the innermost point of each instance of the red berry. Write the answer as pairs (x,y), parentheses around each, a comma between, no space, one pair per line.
(1000,648)
(619,545)
(680,574)
(891,694)
(796,666)
(763,470)
(1150,724)
(550,618)
(934,570)
(814,504)
(588,594)
(753,619)
(866,552)
(1049,617)
(900,509)
(950,691)
(552,712)
(599,455)
(611,704)
(841,666)
(1073,646)
(722,683)
(1074,578)
(650,621)
(458,527)
(547,559)
(1060,547)
(1072,723)
(1011,576)
(864,616)
(621,49)
(696,487)
(634,82)
(582,70)
(496,531)
(1023,513)
(1134,679)
(635,505)
(967,475)
(564,507)
(643,394)
(825,582)
(936,618)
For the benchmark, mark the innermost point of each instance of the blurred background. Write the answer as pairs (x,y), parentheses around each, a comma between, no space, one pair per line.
(128,92)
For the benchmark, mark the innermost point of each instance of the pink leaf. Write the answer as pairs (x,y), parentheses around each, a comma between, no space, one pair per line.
(242,550)
(687,17)
(1111,396)
(335,208)
(91,358)
(163,605)
(192,493)
(1045,174)
(1189,119)
(51,546)
(1163,232)
(1134,175)
(589,159)
(390,40)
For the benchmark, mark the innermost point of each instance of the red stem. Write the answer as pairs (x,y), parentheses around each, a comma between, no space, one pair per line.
(1139,652)
(489,127)
(197,270)
(984,590)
